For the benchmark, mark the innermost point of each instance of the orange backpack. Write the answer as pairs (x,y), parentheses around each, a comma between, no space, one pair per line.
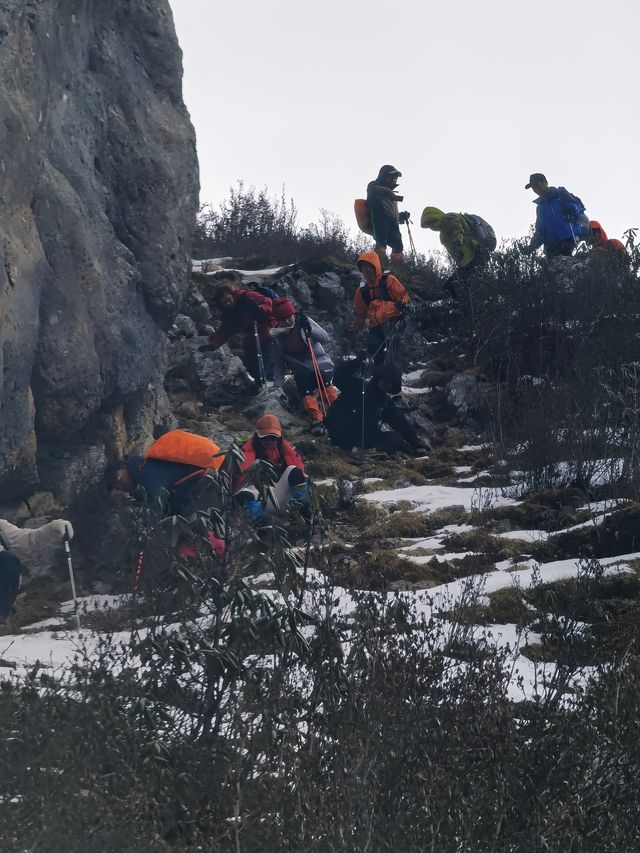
(187,448)
(363,216)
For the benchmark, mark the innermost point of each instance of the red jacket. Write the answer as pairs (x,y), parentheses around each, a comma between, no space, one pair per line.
(280,455)
(603,244)
(249,307)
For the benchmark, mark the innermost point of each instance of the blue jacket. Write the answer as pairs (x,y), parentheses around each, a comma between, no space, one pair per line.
(156,475)
(552,222)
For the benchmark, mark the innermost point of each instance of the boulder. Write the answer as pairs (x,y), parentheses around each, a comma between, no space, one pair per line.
(271,401)
(98,195)
(329,292)
(216,377)
(467,394)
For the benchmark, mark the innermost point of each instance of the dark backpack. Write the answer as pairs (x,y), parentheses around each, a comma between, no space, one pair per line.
(482,231)
(574,211)
(382,290)
(263,290)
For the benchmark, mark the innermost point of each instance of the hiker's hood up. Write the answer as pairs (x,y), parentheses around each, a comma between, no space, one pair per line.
(432,218)
(391,372)
(374,259)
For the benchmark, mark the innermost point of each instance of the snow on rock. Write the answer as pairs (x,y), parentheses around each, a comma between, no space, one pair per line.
(432,498)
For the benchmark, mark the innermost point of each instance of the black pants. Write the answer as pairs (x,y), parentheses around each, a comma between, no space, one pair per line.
(377,344)
(10,570)
(305,379)
(250,358)
(385,229)
(564,247)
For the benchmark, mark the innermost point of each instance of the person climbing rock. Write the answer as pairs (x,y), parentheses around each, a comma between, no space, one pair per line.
(268,445)
(298,346)
(381,299)
(347,426)
(30,550)
(382,202)
(175,463)
(602,245)
(245,312)
(467,237)
(560,218)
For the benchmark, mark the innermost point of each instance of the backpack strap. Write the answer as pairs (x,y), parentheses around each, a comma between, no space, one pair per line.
(381,290)
(198,473)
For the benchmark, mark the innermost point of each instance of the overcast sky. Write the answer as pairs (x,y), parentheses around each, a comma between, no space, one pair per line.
(465,98)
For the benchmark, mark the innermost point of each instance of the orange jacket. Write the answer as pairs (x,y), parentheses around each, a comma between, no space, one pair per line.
(604,245)
(377,303)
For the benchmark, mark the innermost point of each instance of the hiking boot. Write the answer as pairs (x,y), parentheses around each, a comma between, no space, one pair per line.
(311,407)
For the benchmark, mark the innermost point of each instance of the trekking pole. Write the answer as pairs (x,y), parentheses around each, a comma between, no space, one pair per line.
(411,243)
(261,370)
(67,549)
(362,442)
(322,388)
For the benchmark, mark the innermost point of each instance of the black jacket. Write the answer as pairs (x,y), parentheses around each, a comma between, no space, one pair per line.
(344,418)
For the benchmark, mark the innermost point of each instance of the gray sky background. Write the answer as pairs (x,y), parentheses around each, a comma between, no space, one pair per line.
(465,98)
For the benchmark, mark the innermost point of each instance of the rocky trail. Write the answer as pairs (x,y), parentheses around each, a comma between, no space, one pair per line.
(454,534)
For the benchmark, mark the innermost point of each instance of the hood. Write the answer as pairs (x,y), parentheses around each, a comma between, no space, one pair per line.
(432,218)
(594,225)
(389,370)
(386,171)
(374,259)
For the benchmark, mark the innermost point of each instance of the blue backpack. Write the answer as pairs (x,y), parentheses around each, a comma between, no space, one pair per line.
(574,211)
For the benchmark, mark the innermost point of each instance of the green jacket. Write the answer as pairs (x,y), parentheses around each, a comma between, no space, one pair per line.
(456,234)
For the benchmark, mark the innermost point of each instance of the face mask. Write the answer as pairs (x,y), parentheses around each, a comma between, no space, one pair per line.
(282,330)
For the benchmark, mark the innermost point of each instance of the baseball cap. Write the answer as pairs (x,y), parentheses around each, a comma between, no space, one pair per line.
(534,179)
(268,425)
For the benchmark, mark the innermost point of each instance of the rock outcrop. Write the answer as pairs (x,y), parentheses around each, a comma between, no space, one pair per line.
(98,194)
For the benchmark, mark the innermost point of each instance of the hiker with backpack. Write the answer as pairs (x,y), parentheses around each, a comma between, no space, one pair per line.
(245,312)
(364,405)
(26,550)
(467,237)
(298,346)
(268,445)
(172,467)
(381,299)
(560,219)
(384,217)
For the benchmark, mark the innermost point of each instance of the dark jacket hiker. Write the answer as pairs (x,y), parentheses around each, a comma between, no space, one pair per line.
(382,202)
(344,420)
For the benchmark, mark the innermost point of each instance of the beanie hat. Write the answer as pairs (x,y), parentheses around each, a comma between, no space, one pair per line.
(268,425)
(283,308)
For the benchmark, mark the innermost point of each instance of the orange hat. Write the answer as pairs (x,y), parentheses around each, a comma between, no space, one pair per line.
(268,425)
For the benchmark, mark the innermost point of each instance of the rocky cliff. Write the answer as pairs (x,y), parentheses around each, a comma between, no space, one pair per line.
(98,193)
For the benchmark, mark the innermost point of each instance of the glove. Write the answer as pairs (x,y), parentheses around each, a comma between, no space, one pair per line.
(304,322)
(63,528)
(404,217)
(206,348)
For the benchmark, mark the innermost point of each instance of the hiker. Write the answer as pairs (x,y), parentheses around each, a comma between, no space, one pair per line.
(268,445)
(560,219)
(29,550)
(247,312)
(380,299)
(467,237)
(349,429)
(382,203)
(298,345)
(175,463)
(602,245)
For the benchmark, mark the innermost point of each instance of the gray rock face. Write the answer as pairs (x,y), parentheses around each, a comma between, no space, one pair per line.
(217,377)
(98,193)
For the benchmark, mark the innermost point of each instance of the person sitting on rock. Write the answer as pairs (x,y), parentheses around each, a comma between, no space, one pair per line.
(380,299)
(268,445)
(347,426)
(382,203)
(468,239)
(298,346)
(174,464)
(249,313)
(26,549)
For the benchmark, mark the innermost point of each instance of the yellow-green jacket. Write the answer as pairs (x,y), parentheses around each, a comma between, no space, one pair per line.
(456,234)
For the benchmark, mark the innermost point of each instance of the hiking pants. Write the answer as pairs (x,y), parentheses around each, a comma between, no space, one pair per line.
(388,442)
(385,229)
(377,344)
(10,570)
(305,379)
(250,357)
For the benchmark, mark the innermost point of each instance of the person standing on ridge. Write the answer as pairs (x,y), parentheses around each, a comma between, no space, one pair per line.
(247,312)
(379,299)
(467,237)
(298,345)
(382,203)
(560,218)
